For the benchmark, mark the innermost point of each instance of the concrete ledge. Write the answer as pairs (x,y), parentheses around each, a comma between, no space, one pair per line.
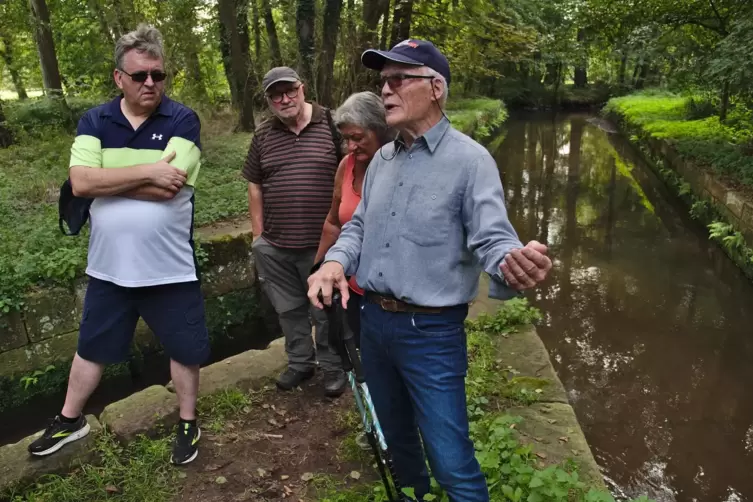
(553,430)
(141,413)
(18,467)
(242,371)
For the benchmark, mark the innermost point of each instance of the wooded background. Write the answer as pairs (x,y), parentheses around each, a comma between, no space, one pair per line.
(524,51)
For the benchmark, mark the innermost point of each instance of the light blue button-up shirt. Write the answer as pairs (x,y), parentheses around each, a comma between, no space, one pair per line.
(431,218)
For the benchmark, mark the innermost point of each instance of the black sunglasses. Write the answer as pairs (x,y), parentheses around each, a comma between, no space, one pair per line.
(397,79)
(141,76)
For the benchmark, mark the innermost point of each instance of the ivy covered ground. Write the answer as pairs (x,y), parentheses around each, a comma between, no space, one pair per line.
(266,445)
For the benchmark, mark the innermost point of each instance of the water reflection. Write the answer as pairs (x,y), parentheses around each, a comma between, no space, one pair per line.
(647,322)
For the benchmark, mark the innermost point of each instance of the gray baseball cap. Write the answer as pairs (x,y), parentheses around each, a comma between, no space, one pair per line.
(279,74)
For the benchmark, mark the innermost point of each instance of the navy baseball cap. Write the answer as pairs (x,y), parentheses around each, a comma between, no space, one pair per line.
(412,52)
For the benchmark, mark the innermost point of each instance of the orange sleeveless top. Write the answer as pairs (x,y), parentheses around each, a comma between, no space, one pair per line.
(349,200)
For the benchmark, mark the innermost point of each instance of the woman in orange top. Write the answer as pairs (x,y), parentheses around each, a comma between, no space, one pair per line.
(362,124)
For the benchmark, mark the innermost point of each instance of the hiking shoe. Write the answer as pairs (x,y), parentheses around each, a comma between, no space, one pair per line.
(334,383)
(58,434)
(184,446)
(290,378)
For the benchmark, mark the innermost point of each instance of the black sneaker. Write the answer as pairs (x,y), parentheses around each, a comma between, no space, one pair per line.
(58,434)
(335,383)
(290,378)
(184,446)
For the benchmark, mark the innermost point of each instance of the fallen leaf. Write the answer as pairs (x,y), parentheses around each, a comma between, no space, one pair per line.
(512,426)
(538,439)
(307,476)
(265,406)
(213,467)
(261,472)
(564,439)
(284,477)
(182,475)
(246,409)
(112,489)
(538,391)
(355,475)
(552,421)
(541,455)
(287,490)
(221,480)
(274,422)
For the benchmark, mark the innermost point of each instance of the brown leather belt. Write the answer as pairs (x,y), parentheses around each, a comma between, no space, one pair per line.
(391,304)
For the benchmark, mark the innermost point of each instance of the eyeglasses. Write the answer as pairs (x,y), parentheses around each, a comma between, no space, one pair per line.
(395,81)
(290,93)
(141,76)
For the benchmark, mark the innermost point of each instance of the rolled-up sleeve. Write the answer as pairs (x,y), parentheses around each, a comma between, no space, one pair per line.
(490,234)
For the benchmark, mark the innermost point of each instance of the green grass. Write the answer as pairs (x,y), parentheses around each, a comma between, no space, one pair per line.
(476,117)
(215,409)
(723,148)
(135,473)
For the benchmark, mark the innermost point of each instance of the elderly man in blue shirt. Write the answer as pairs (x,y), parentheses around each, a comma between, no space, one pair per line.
(431,219)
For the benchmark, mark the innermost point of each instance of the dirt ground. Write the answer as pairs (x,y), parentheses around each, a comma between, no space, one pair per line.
(276,450)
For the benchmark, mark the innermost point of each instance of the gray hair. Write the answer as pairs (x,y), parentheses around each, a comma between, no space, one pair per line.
(364,109)
(145,38)
(445,88)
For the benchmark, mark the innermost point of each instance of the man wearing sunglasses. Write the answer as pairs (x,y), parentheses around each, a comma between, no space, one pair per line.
(431,219)
(290,169)
(138,158)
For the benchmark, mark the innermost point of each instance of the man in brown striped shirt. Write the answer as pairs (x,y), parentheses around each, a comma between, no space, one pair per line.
(290,169)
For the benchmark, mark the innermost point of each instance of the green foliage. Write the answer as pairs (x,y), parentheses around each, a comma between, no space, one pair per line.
(37,117)
(217,408)
(706,141)
(134,473)
(699,108)
(476,117)
(33,379)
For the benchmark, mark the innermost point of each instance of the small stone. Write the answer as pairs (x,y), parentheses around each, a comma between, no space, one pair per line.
(307,476)
(355,475)
(284,477)
(261,472)
(221,480)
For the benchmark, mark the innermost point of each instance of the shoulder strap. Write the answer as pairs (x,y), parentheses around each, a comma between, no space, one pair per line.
(335,135)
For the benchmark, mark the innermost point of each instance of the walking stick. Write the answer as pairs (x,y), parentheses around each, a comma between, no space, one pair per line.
(341,338)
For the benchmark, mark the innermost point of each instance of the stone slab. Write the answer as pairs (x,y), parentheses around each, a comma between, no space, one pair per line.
(18,467)
(38,355)
(12,332)
(243,371)
(50,312)
(221,279)
(144,412)
(552,430)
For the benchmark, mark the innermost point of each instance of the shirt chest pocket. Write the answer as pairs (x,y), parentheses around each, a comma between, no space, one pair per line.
(429,215)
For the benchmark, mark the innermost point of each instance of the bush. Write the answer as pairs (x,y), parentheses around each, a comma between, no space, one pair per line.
(34,115)
(699,108)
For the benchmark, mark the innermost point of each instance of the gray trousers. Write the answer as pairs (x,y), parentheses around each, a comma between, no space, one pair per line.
(283,275)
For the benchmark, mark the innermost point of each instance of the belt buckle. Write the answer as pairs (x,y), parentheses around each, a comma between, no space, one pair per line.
(388,304)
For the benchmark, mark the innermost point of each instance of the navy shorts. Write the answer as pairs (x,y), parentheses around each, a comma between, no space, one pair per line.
(174,312)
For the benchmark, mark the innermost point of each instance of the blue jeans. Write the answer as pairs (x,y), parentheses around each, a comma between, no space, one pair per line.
(415,366)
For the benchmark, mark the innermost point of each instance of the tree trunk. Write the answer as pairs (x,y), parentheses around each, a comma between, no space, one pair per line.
(385,25)
(46,48)
(305,20)
(233,17)
(581,77)
(274,42)
(330,28)
(725,102)
(623,68)
(256,29)
(10,63)
(6,138)
(401,21)
(642,74)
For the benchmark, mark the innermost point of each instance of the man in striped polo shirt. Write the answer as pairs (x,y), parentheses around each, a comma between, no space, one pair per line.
(138,158)
(290,170)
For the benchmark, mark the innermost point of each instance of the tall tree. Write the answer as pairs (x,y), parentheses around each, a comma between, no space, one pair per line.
(385,26)
(46,48)
(233,18)
(274,41)
(6,138)
(330,30)
(10,62)
(581,76)
(401,21)
(305,21)
(255,29)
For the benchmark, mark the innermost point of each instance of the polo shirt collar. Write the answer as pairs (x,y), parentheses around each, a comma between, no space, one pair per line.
(165,108)
(317,115)
(433,136)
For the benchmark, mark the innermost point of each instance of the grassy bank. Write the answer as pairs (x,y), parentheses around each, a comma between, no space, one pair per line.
(688,123)
(32,249)
(235,424)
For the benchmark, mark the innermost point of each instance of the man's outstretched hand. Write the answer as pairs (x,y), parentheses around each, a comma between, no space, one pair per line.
(329,276)
(527,267)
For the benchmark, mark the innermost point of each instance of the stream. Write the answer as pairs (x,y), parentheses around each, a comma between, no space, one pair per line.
(647,322)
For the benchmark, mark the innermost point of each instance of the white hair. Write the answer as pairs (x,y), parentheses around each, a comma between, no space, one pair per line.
(445,89)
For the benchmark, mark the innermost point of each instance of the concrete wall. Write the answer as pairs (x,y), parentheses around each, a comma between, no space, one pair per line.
(45,332)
